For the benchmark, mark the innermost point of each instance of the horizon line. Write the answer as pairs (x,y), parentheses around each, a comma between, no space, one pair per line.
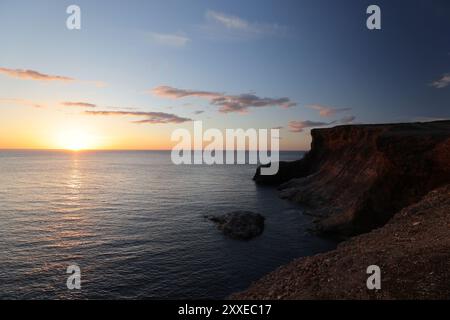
(84,150)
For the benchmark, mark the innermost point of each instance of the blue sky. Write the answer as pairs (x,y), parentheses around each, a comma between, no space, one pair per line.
(318,55)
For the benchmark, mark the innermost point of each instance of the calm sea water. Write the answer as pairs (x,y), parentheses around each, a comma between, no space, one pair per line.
(135,225)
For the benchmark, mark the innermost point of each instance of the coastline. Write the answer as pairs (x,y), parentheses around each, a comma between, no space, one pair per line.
(412,250)
(343,179)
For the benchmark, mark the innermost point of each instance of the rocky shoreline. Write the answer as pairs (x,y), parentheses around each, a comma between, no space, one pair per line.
(387,188)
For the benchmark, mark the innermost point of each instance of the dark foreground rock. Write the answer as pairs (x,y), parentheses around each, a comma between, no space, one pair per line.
(355,178)
(412,250)
(240,225)
(287,170)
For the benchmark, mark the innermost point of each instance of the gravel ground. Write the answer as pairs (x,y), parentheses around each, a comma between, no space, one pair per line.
(412,250)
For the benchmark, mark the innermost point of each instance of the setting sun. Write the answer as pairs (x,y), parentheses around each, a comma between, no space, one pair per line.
(76,140)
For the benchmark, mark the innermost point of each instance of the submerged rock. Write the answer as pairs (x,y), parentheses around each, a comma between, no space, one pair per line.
(240,225)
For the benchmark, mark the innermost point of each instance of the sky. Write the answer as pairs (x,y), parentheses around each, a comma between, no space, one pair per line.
(138,70)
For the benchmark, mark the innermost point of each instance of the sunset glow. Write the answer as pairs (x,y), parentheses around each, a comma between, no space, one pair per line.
(91,93)
(209,151)
(76,140)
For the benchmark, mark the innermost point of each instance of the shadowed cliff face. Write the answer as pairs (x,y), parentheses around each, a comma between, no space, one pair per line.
(355,178)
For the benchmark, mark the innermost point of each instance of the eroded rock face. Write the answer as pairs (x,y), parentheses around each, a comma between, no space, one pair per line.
(286,171)
(240,225)
(355,178)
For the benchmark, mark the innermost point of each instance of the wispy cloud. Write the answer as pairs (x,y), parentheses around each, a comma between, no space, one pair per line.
(226,103)
(198,112)
(325,111)
(78,104)
(167,39)
(442,82)
(237,27)
(22,102)
(243,102)
(229,21)
(83,104)
(33,75)
(299,126)
(429,119)
(150,117)
(39,76)
(347,120)
(175,93)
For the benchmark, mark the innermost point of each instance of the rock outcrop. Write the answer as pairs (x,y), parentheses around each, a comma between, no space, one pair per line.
(240,225)
(356,177)
(412,251)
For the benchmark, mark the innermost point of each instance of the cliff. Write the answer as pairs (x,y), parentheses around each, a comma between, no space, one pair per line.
(412,251)
(391,181)
(356,177)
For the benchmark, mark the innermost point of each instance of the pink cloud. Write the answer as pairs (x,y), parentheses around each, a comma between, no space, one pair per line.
(325,111)
(226,103)
(33,75)
(150,117)
(78,104)
(299,126)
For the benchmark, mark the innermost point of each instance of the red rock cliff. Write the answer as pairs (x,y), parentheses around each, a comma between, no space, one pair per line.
(355,178)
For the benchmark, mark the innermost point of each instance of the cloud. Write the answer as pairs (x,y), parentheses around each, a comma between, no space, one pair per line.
(226,103)
(81,104)
(299,126)
(429,119)
(198,112)
(23,102)
(325,111)
(38,76)
(166,39)
(243,102)
(78,104)
(347,120)
(229,21)
(151,117)
(234,26)
(443,82)
(174,93)
(33,75)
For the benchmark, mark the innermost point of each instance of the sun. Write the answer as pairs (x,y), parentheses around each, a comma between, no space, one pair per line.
(76,140)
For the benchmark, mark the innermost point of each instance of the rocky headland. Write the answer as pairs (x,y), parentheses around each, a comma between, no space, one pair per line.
(384,187)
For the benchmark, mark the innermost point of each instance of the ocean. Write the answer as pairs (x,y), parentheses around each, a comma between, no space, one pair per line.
(135,225)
